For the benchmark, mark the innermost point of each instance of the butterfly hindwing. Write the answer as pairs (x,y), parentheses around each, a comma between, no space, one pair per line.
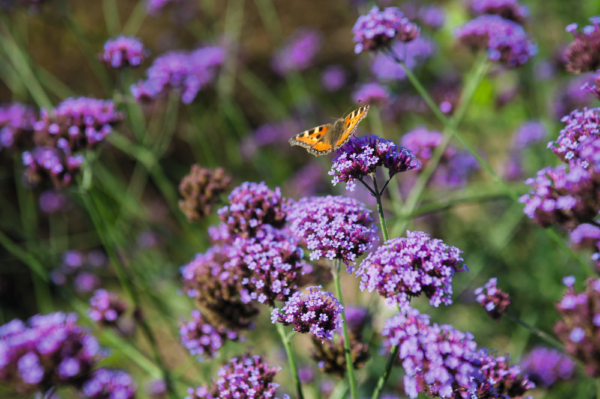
(309,138)
(351,123)
(320,148)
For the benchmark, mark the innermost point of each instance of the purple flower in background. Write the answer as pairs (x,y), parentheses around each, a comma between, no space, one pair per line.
(123,51)
(427,15)
(371,93)
(579,126)
(504,40)
(494,300)
(155,7)
(106,308)
(360,157)
(203,340)
(500,379)
(403,268)
(86,282)
(157,389)
(593,87)
(528,133)
(307,181)
(51,163)
(562,195)
(377,29)
(356,318)
(51,350)
(545,366)
(333,227)
(333,78)
(187,72)
(306,375)
(72,260)
(317,312)
(413,54)
(252,205)
(585,236)
(583,54)
(16,125)
(298,53)
(52,201)
(276,132)
(110,384)
(437,360)
(574,95)
(507,9)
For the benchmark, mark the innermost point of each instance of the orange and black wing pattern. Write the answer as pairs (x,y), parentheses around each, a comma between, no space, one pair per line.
(351,123)
(312,140)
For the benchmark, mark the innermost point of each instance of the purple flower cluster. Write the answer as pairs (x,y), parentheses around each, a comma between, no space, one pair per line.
(52,163)
(123,51)
(333,78)
(587,236)
(80,265)
(507,9)
(545,366)
(504,40)
(579,327)
(51,350)
(378,29)
(110,384)
(187,72)
(246,377)
(564,195)
(298,53)
(155,7)
(333,227)
(106,308)
(16,125)
(427,15)
(360,157)
(500,379)
(403,268)
(437,360)
(317,312)
(583,54)
(413,54)
(252,205)
(371,93)
(494,301)
(580,125)
(202,339)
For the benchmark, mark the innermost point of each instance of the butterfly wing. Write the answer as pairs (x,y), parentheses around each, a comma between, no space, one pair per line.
(351,123)
(312,140)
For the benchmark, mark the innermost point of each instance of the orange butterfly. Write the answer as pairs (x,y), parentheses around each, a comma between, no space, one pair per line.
(324,139)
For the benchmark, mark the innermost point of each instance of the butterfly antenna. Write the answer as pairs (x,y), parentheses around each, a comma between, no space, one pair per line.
(352,106)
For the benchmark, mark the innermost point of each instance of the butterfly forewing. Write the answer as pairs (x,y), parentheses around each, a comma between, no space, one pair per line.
(351,123)
(309,138)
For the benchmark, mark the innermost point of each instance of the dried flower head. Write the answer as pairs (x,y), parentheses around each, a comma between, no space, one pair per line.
(123,51)
(201,190)
(378,29)
(545,366)
(106,308)
(360,157)
(333,227)
(110,384)
(403,268)
(583,54)
(202,339)
(299,51)
(507,9)
(16,125)
(495,301)
(317,312)
(331,356)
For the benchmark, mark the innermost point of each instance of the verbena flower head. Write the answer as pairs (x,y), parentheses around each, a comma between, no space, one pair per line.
(403,268)
(188,72)
(579,326)
(51,350)
(52,201)
(298,53)
(580,125)
(587,236)
(507,9)
(317,312)
(528,133)
(333,78)
(505,41)
(110,384)
(241,378)
(333,227)
(545,366)
(371,93)
(494,300)
(106,308)
(123,51)
(564,195)
(360,157)
(252,205)
(216,285)
(16,125)
(583,54)
(378,29)
(201,190)
(437,360)
(52,164)
(500,379)
(203,340)
(594,86)
(413,54)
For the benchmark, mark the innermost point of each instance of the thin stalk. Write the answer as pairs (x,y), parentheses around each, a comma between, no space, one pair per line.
(386,373)
(348,354)
(384,230)
(546,337)
(136,19)
(288,349)
(111,16)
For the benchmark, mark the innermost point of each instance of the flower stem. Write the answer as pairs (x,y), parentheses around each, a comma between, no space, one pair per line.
(349,364)
(288,349)
(386,373)
(384,230)
(546,337)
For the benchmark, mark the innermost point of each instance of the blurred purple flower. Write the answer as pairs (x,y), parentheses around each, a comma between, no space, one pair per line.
(157,389)
(276,132)
(298,52)
(413,54)
(573,96)
(106,308)
(306,375)
(333,78)
(403,268)
(86,282)
(427,15)
(504,40)
(583,54)
(528,133)
(306,181)
(155,7)
(123,51)
(377,29)
(507,9)
(494,300)
(587,236)
(52,201)
(51,163)
(371,93)
(16,125)
(356,318)
(545,366)
(110,384)
(203,340)
(317,312)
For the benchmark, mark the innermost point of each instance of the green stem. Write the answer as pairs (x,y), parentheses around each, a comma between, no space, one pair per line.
(384,230)
(288,349)
(535,331)
(111,16)
(136,19)
(386,373)
(349,364)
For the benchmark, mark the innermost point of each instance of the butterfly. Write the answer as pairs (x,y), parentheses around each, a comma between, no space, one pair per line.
(324,139)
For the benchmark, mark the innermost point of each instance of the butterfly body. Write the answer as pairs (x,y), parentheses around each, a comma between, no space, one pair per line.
(324,139)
